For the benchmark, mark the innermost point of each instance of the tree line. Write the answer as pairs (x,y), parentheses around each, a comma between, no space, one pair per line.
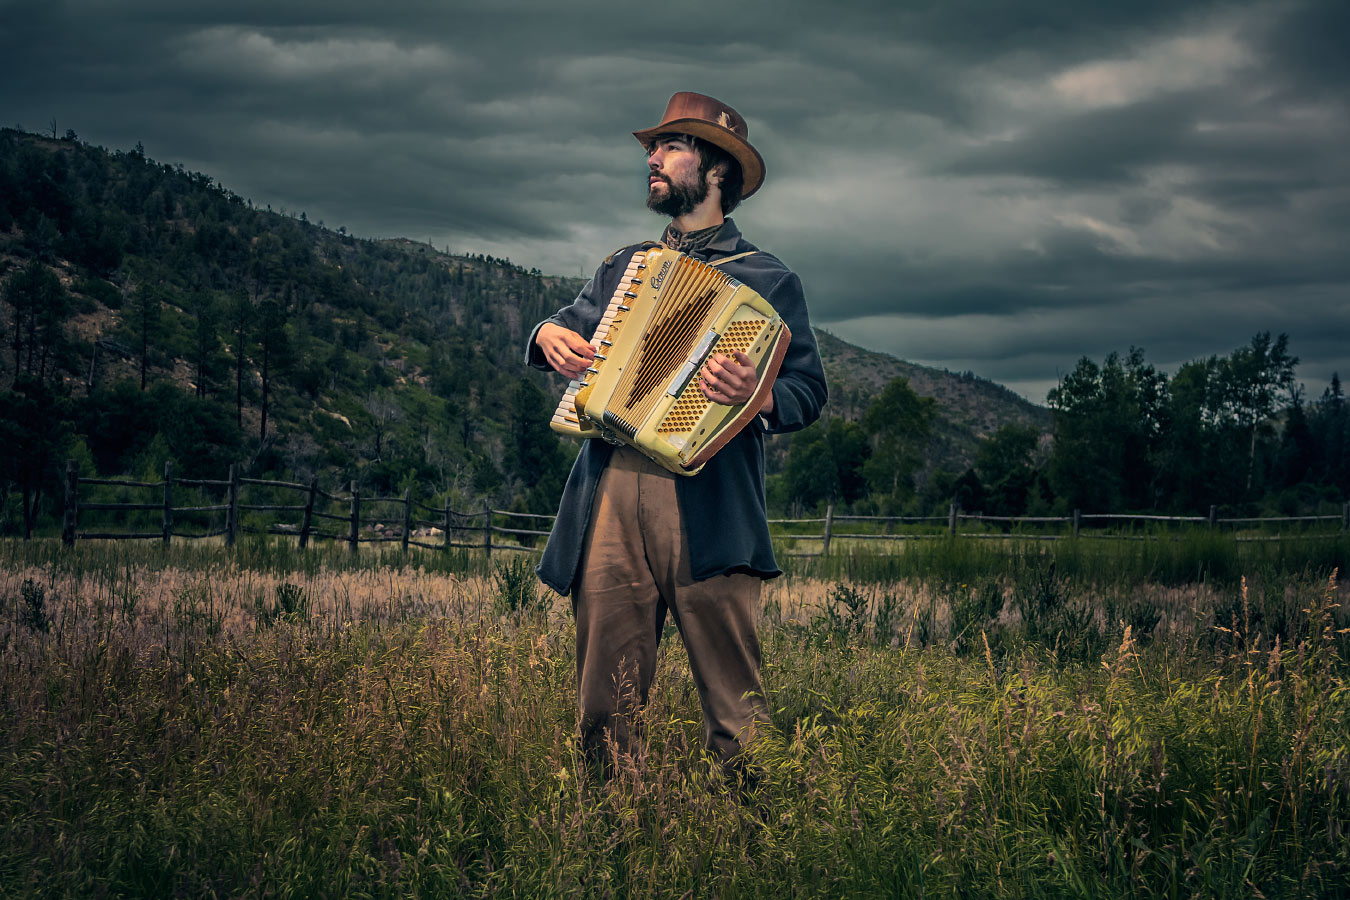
(1237,431)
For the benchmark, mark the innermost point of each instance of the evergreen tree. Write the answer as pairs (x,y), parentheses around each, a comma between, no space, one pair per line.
(39,308)
(826,463)
(206,341)
(1109,421)
(146,322)
(241,324)
(1189,478)
(34,429)
(1297,456)
(533,454)
(274,353)
(899,422)
(1004,463)
(968,492)
(1329,427)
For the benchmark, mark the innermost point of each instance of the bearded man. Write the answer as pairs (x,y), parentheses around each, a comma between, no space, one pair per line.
(633,541)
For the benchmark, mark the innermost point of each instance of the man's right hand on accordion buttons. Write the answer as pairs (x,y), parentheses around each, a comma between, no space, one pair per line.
(566,351)
(732,382)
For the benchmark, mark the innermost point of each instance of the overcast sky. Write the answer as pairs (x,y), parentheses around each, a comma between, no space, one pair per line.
(988,185)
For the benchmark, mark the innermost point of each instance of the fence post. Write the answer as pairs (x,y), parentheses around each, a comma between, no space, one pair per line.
(407,517)
(1345,517)
(168,501)
(232,510)
(829,527)
(1213,516)
(71,515)
(951,518)
(354,540)
(1077,521)
(447,521)
(309,511)
(487,529)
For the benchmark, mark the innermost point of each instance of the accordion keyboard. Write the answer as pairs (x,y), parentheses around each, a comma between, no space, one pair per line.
(565,417)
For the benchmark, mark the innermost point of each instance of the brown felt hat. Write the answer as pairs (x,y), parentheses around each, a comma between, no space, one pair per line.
(715,122)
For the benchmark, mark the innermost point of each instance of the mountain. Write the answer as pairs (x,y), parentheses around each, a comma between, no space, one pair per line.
(969,408)
(151,314)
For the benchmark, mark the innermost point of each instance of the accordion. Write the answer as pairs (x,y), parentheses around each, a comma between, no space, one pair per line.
(669,314)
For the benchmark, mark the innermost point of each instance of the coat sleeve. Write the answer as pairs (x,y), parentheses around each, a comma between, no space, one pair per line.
(581,316)
(799,391)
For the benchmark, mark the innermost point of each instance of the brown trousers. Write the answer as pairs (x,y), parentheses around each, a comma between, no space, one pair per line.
(636,567)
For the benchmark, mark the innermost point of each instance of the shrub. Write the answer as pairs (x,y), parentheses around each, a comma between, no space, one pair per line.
(34,611)
(292,605)
(517,586)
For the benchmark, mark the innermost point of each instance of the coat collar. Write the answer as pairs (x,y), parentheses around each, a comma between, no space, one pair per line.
(727,239)
(725,242)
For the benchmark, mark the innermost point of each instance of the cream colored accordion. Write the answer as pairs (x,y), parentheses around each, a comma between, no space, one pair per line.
(669,314)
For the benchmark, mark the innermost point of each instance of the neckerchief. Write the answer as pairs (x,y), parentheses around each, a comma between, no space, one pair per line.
(685,241)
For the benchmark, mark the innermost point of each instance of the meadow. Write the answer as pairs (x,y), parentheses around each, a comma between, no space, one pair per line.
(964,718)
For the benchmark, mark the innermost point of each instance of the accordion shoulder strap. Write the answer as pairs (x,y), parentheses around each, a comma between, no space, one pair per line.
(728,259)
(635,248)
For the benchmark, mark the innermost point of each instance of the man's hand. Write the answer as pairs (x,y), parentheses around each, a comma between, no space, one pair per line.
(732,382)
(565,350)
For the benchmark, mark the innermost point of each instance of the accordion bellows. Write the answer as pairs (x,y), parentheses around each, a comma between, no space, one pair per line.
(668,315)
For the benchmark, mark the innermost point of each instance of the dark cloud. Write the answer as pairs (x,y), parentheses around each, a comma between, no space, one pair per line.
(1307,45)
(1108,145)
(1001,187)
(1206,129)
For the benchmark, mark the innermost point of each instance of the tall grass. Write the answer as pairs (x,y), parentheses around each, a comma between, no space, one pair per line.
(1193,556)
(279,556)
(239,730)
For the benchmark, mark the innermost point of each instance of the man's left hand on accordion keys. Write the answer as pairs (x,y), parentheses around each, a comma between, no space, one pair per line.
(732,382)
(566,351)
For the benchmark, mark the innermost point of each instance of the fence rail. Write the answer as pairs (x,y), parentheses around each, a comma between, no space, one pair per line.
(478,529)
(453,529)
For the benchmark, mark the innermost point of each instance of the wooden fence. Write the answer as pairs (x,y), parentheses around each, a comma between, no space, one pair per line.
(454,528)
(950,525)
(478,529)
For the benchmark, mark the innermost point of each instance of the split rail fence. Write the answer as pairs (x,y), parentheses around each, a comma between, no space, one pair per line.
(443,528)
(1014,526)
(357,524)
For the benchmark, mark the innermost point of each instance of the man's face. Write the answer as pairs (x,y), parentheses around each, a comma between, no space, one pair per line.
(674,187)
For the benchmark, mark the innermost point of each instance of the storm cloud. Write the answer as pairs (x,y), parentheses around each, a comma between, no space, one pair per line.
(979,185)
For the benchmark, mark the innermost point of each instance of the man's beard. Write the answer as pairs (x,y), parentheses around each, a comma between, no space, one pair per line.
(679,200)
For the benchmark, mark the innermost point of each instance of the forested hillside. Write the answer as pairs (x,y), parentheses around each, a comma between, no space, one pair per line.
(151,314)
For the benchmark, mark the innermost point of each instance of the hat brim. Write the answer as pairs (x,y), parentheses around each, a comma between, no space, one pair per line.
(752,164)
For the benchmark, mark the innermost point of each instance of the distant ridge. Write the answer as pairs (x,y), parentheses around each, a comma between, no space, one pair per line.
(969,407)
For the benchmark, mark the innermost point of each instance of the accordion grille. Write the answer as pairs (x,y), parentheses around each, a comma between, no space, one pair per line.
(675,326)
(691,405)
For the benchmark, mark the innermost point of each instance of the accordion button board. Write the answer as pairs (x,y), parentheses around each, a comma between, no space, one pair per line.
(669,314)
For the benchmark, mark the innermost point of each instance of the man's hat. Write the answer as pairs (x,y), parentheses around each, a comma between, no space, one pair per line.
(715,122)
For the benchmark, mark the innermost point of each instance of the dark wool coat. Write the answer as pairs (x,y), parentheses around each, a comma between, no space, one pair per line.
(723,506)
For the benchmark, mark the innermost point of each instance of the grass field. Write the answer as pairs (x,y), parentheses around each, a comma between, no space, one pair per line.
(960,719)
